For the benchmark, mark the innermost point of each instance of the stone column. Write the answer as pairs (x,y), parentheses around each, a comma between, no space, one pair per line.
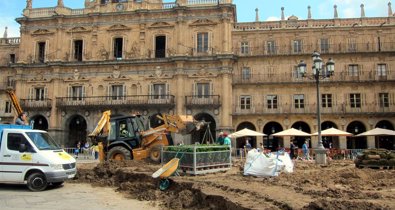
(180,89)
(226,97)
(371,142)
(342,142)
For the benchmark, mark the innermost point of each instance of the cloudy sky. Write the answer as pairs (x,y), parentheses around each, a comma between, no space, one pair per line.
(268,9)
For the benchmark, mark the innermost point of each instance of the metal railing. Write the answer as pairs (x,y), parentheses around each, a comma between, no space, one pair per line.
(202,101)
(117,101)
(260,109)
(28,104)
(293,77)
(82,153)
(289,49)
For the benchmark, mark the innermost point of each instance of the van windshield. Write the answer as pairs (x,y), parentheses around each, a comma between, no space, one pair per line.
(43,141)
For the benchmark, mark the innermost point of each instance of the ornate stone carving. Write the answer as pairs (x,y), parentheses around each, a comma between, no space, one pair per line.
(118,27)
(76,75)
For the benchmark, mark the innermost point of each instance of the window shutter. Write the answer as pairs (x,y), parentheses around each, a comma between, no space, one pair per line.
(45,93)
(167,85)
(108,91)
(83,92)
(124,92)
(194,89)
(211,88)
(69,92)
(150,89)
(46,51)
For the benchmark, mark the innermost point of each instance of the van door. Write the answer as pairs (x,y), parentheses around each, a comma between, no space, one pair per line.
(14,162)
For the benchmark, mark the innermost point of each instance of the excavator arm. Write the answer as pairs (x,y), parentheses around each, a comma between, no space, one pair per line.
(15,102)
(104,123)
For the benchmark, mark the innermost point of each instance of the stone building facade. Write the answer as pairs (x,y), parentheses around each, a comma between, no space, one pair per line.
(193,57)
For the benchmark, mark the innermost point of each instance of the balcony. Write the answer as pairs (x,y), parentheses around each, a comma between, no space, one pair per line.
(289,77)
(311,109)
(339,48)
(10,41)
(108,102)
(39,105)
(208,101)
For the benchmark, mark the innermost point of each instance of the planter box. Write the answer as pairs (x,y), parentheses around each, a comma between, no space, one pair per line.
(199,159)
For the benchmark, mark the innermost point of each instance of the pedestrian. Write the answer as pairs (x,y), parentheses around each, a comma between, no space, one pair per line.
(226,139)
(247,144)
(77,149)
(96,151)
(305,149)
(22,119)
(292,150)
(220,139)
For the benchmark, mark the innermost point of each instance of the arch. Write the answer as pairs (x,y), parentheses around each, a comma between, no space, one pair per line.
(299,140)
(40,122)
(356,127)
(329,141)
(240,142)
(203,134)
(77,130)
(386,142)
(269,141)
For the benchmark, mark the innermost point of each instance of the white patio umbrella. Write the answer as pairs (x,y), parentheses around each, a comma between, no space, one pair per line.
(333,132)
(245,132)
(291,132)
(377,132)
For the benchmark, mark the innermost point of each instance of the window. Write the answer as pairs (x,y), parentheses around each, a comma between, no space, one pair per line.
(271,101)
(324,45)
(297,46)
(381,70)
(117,92)
(270,47)
(41,52)
(355,100)
(202,42)
(118,48)
(160,45)
(353,70)
(12,58)
(299,101)
(384,102)
(15,140)
(8,107)
(78,49)
(203,90)
(245,102)
(352,45)
(77,93)
(159,91)
(245,48)
(246,73)
(326,100)
(39,94)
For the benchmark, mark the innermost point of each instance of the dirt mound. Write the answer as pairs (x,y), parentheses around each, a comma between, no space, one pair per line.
(338,185)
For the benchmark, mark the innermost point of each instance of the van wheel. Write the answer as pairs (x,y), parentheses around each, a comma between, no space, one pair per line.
(37,182)
(119,153)
(155,153)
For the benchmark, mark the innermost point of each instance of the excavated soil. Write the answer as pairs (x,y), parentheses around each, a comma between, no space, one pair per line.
(338,185)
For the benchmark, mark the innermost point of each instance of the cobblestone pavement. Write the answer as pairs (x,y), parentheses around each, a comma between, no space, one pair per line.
(70,196)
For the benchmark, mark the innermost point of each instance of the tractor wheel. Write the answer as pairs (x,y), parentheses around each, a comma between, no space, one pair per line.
(119,153)
(154,154)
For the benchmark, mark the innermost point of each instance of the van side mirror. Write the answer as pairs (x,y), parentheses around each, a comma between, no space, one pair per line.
(22,148)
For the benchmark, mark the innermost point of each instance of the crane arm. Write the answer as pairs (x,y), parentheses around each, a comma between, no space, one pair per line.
(104,122)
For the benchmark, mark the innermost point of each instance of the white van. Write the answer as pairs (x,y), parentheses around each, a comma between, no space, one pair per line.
(32,157)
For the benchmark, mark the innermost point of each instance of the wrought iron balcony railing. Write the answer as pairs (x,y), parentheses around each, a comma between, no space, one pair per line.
(293,77)
(343,109)
(203,101)
(116,101)
(32,104)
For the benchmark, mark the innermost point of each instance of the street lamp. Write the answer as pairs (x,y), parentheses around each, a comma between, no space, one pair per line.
(318,73)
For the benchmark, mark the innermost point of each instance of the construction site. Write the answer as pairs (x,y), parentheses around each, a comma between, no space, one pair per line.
(338,185)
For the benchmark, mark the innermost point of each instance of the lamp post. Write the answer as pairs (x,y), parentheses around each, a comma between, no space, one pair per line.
(318,73)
